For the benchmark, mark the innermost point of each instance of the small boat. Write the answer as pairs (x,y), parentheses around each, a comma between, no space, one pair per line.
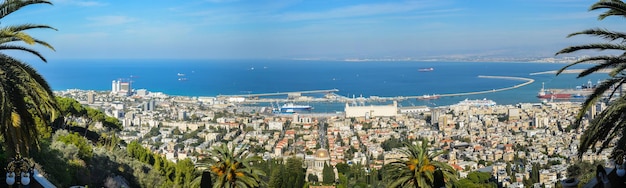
(181,74)
(426,69)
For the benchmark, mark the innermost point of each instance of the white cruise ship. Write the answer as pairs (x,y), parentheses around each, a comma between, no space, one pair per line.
(483,102)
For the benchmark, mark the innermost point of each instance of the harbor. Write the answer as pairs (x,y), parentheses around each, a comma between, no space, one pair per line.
(330,95)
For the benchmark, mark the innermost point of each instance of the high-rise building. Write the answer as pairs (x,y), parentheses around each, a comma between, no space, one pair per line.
(141,92)
(125,87)
(182,115)
(91,97)
(149,106)
(121,87)
(152,104)
(115,87)
(118,109)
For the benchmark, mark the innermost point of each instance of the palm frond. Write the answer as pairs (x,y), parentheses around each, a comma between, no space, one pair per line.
(31,51)
(591,100)
(24,27)
(608,63)
(417,168)
(587,59)
(232,167)
(597,46)
(30,97)
(604,127)
(602,33)
(616,8)
(10,6)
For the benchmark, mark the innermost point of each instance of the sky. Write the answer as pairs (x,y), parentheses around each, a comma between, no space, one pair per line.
(311,29)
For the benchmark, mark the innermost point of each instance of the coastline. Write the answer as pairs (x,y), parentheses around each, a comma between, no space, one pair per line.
(368,80)
(568,71)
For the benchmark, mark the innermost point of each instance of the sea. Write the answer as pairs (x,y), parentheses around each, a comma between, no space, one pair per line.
(352,79)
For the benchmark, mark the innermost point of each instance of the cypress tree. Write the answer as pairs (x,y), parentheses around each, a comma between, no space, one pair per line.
(276,178)
(328,174)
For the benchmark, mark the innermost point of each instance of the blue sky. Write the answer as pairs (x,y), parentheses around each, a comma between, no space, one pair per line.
(215,29)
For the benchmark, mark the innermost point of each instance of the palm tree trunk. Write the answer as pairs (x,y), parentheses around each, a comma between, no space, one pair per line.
(86,128)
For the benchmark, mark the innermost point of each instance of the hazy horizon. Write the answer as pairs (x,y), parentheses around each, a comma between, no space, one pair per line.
(286,29)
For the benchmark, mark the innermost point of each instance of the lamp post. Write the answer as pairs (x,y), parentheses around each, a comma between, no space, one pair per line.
(20,167)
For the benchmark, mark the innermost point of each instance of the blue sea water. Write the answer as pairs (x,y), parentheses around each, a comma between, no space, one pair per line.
(385,79)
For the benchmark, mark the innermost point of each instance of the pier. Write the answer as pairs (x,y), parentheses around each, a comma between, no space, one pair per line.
(528,81)
(290,94)
(332,96)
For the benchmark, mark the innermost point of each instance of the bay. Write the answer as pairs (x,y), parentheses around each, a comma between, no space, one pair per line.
(352,79)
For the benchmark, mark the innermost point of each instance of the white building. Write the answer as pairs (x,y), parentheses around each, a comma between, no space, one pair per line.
(121,87)
(372,111)
(275,125)
(142,92)
(115,87)
(414,109)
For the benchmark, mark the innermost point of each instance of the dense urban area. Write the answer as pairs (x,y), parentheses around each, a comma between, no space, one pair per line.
(530,144)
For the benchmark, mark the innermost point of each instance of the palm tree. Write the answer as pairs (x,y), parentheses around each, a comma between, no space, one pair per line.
(25,97)
(610,123)
(418,167)
(233,169)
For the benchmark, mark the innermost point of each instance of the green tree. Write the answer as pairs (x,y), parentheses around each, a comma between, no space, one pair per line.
(85,148)
(391,143)
(313,178)
(608,125)
(342,168)
(95,115)
(475,180)
(112,123)
(276,178)
(374,176)
(70,108)
(24,94)
(417,169)
(158,164)
(294,174)
(534,173)
(233,168)
(185,173)
(328,175)
(289,174)
(583,170)
(343,181)
(176,131)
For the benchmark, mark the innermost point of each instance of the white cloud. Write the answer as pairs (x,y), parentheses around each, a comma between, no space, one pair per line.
(283,11)
(569,16)
(355,11)
(110,20)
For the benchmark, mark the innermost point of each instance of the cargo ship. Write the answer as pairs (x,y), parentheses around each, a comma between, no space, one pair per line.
(579,93)
(426,69)
(293,108)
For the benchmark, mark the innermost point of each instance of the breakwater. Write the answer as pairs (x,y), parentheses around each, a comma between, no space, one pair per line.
(335,97)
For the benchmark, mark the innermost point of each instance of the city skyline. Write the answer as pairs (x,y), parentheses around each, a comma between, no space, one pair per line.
(237,29)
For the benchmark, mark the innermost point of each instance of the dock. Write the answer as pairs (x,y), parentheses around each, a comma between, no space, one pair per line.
(289,93)
(528,81)
(332,96)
